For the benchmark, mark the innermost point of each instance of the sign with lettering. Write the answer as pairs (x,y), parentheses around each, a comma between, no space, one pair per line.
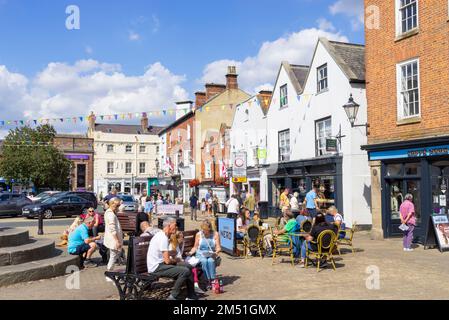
(410,153)
(438,232)
(240,180)
(331,145)
(226,230)
(169,209)
(239,166)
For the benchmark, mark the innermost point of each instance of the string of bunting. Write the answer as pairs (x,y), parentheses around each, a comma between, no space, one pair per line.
(109,117)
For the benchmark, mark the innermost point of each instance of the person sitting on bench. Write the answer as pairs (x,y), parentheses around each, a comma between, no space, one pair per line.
(145,227)
(82,245)
(160,264)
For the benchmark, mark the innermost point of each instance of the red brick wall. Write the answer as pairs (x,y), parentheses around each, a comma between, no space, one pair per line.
(431,46)
(183,143)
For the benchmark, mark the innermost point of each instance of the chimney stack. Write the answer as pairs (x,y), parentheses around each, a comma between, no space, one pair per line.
(213,89)
(200,99)
(181,107)
(144,123)
(231,78)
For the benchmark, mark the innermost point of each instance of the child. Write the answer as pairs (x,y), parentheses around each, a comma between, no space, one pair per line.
(203,207)
(175,251)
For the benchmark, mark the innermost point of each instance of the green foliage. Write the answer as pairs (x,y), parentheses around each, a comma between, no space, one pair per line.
(29,156)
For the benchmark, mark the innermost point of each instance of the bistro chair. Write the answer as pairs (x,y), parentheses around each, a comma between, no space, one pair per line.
(347,240)
(325,245)
(281,246)
(253,240)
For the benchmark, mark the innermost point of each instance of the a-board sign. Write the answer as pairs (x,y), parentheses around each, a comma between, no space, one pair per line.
(438,232)
(227,231)
(169,209)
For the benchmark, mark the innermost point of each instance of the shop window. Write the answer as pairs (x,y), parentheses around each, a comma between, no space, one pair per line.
(394,169)
(440,182)
(412,169)
(326,191)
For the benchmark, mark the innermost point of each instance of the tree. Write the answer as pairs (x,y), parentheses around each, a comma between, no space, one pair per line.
(30,156)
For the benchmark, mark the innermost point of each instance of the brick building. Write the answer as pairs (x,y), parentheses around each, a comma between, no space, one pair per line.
(79,150)
(407,71)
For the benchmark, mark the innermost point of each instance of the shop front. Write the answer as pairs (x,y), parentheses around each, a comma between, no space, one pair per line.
(300,176)
(420,168)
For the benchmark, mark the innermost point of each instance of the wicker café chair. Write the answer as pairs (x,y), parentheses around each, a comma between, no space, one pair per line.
(253,240)
(347,240)
(281,246)
(325,246)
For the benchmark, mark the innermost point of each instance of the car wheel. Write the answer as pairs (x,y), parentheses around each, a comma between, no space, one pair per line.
(48,214)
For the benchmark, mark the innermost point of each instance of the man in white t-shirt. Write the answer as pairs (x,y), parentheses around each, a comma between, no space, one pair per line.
(160,264)
(233,207)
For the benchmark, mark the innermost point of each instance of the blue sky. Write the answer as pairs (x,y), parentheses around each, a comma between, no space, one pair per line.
(124,47)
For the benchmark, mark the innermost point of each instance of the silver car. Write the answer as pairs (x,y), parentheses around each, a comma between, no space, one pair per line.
(129,203)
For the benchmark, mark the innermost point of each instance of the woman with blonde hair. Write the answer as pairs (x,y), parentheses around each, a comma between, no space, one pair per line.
(207,247)
(113,236)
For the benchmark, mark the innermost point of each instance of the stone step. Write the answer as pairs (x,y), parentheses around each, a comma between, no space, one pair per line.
(37,270)
(34,250)
(11,237)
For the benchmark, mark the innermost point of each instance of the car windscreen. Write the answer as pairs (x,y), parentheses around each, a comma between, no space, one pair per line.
(127,198)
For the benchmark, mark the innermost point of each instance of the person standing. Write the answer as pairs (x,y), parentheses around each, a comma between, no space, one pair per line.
(311,201)
(250,203)
(233,207)
(142,201)
(215,203)
(294,203)
(407,215)
(193,206)
(284,201)
(113,236)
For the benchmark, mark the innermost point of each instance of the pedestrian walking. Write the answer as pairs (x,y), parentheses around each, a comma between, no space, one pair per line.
(193,206)
(113,236)
(250,204)
(408,220)
(233,207)
(311,201)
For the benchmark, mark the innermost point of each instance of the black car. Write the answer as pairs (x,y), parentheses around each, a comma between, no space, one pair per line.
(11,204)
(58,206)
(89,196)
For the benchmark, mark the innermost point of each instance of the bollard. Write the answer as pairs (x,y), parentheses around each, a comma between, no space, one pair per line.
(40,225)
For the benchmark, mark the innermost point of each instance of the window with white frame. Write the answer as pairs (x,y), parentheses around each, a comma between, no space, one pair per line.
(142,167)
(284,96)
(110,167)
(110,148)
(284,145)
(406,15)
(408,89)
(142,149)
(129,148)
(323,131)
(208,170)
(189,134)
(322,78)
(187,154)
(128,167)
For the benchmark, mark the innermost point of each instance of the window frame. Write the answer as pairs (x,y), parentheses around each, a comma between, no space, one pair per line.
(399,91)
(112,167)
(144,167)
(144,148)
(112,148)
(130,167)
(317,139)
(282,106)
(320,80)
(130,147)
(281,154)
(398,15)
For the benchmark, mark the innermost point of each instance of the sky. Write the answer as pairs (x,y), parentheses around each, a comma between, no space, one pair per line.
(142,55)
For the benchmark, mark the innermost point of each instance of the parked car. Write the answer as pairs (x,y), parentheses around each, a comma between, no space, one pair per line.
(57,206)
(89,196)
(129,202)
(11,204)
(43,195)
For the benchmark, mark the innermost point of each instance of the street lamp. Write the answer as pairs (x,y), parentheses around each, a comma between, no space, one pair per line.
(352,108)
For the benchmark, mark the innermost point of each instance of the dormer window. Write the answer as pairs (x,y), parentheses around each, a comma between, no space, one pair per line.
(284,96)
(322,78)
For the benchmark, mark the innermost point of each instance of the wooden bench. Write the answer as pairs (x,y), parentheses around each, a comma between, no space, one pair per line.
(128,222)
(134,281)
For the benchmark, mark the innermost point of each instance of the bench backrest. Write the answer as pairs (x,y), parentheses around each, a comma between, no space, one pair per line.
(128,222)
(138,249)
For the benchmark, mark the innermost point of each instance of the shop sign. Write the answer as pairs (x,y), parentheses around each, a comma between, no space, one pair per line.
(261,154)
(239,166)
(410,153)
(240,180)
(77,156)
(226,230)
(438,232)
(331,145)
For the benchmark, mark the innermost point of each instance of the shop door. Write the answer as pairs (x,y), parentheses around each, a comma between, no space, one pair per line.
(440,181)
(396,191)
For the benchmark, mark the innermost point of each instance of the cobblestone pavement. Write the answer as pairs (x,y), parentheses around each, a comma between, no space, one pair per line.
(421,274)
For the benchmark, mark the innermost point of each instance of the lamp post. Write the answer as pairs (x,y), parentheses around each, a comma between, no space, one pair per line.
(352,108)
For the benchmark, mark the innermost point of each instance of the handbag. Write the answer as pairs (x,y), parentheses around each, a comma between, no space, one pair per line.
(403,227)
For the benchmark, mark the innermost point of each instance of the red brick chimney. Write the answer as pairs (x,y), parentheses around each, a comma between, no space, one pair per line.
(213,89)
(200,99)
(231,78)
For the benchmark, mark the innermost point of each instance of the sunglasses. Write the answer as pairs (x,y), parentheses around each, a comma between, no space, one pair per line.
(91,211)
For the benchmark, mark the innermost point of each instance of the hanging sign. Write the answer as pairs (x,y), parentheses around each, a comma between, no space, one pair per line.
(239,167)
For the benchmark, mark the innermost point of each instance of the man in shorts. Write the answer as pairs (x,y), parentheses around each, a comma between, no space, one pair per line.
(80,244)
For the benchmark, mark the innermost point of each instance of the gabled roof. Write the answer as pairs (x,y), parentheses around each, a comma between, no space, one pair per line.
(349,56)
(126,129)
(185,117)
(297,75)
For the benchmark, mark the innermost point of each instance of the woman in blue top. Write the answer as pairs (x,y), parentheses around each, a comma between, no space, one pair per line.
(207,247)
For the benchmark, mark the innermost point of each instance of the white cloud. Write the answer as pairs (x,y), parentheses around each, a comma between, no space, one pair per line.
(351,8)
(133,36)
(325,24)
(88,50)
(259,70)
(68,90)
